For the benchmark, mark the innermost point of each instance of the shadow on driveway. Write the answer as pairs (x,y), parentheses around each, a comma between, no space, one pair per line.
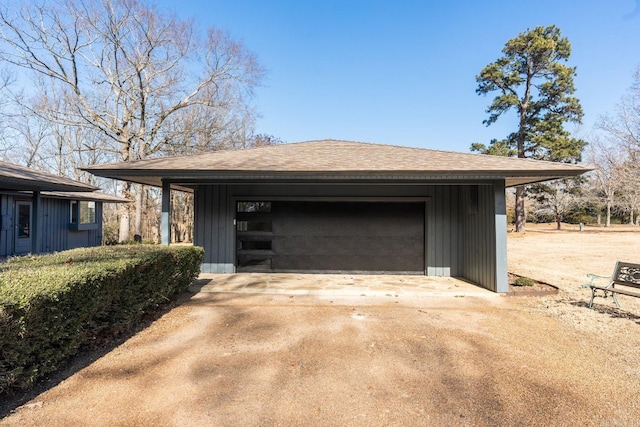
(223,358)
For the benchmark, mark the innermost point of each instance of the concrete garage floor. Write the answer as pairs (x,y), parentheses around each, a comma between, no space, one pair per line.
(230,355)
(339,285)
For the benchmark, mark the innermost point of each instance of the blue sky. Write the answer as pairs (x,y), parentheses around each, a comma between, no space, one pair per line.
(403,72)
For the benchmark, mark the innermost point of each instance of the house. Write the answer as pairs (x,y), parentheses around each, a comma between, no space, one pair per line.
(42,212)
(342,206)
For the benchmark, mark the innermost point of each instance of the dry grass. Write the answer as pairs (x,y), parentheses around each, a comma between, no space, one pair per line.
(563,258)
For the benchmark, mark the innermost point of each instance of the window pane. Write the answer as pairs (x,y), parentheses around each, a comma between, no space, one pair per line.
(24,221)
(253,244)
(87,212)
(254,225)
(74,212)
(254,207)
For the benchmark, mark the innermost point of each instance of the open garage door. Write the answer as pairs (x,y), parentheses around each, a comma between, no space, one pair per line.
(334,237)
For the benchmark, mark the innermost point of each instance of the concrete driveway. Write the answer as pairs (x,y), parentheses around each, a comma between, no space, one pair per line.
(232,358)
(331,285)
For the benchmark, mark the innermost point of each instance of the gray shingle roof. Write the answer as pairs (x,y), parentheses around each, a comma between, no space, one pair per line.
(16,177)
(334,159)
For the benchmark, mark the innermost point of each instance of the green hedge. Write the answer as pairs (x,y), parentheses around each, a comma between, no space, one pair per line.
(51,305)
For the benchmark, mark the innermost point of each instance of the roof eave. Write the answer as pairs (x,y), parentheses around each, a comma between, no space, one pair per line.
(85,196)
(185,180)
(30,185)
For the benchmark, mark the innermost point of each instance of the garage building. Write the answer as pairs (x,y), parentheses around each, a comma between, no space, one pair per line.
(346,207)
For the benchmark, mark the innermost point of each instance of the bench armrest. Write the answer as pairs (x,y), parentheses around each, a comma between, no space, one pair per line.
(593,278)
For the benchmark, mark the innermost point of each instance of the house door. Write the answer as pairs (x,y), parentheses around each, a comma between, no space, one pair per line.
(23,228)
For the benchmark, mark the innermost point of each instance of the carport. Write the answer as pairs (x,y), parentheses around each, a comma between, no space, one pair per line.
(346,207)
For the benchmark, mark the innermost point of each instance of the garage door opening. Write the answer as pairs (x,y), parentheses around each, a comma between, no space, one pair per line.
(330,237)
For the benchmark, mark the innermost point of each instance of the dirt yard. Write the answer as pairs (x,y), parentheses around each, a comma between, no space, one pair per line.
(563,259)
(230,359)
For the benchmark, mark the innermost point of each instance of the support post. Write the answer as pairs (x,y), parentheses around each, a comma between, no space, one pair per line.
(35,223)
(165,225)
(502,274)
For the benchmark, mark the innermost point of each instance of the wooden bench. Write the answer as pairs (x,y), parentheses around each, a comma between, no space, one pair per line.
(624,280)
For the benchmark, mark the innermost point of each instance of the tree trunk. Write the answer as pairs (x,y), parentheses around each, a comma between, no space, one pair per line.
(599,218)
(123,234)
(138,216)
(607,222)
(521,219)
(125,230)
(558,222)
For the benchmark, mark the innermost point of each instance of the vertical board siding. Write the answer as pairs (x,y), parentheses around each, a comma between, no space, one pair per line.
(479,243)
(54,229)
(456,234)
(223,224)
(439,203)
(207,205)
(442,231)
(430,227)
(56,235)
(95,238)
(214,228)
(6,226)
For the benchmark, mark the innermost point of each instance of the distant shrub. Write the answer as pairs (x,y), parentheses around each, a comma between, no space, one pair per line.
(110,231)
(524,281)
(51,305)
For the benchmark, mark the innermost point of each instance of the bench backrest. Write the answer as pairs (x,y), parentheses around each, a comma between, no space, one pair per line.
(626,274)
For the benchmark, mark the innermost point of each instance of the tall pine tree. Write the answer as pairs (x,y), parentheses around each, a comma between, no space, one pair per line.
(531,78)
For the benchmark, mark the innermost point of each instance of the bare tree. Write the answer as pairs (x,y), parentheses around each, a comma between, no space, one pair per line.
(623,130)
(624,126)
(607,157)
(6,142)
(33,134)
(557,198)
(145,81)
(263,139)
(182,217)
(629,190)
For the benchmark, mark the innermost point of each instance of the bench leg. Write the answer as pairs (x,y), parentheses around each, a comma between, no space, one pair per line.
(593,295)
(615,299)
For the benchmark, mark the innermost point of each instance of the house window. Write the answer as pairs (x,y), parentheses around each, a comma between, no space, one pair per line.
(248,207)
(74,212)
(87,212)
(24,221)
(83,212)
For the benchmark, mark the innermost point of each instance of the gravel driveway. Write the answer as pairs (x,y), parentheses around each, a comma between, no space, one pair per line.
(241,359)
